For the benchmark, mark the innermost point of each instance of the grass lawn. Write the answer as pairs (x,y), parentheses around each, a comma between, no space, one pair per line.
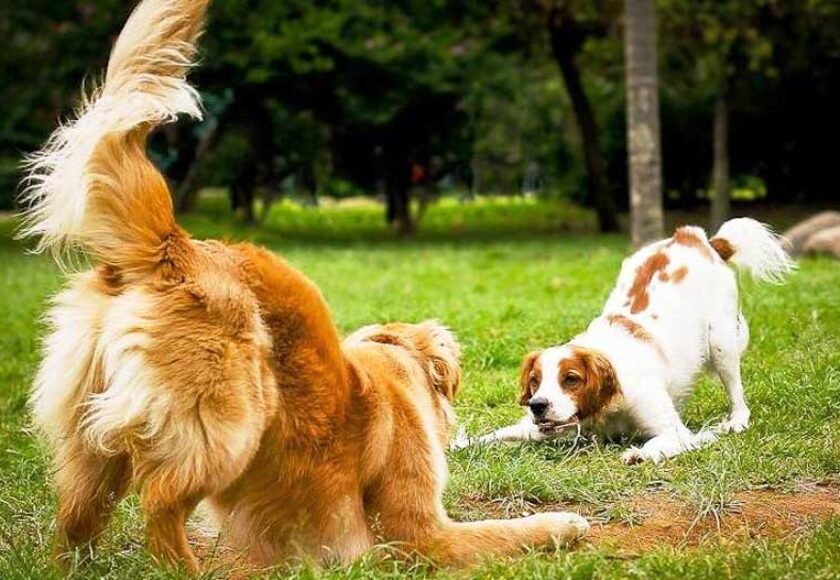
(508,278)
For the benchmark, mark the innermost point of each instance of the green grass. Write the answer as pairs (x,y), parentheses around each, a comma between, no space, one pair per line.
(507,277)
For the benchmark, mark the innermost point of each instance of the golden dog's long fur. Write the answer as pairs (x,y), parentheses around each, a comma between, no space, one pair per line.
(194,370)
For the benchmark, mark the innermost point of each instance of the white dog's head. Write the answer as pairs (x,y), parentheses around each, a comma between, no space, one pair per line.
(567,383)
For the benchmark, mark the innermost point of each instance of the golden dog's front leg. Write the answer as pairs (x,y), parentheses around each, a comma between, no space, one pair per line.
(407,501)
(462,544)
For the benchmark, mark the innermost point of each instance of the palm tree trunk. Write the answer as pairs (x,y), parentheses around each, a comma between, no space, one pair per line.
(643,144)
(720,168)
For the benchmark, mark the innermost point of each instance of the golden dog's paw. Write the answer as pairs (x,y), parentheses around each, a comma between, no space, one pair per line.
(565,527)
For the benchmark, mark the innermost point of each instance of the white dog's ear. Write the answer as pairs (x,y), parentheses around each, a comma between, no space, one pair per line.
(529,376)
(600,383)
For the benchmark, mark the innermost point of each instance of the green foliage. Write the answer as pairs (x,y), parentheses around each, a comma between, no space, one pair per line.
(48,48)
(716,41)
(762,55)
(348,64)
(344,82)
(520,117)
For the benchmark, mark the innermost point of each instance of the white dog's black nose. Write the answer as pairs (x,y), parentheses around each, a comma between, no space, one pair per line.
(538,405)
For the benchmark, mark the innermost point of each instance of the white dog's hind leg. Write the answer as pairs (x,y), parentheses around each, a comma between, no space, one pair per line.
(727,340)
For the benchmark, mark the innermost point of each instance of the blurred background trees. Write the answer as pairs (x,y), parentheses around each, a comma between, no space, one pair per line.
(405,99)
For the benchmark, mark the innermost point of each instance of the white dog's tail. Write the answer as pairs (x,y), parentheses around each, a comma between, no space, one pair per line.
(752,245)
(92,187)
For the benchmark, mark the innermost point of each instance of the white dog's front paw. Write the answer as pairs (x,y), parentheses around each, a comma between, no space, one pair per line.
(633,456)
(736,423)
(636,455)
(704,438)
(460,441)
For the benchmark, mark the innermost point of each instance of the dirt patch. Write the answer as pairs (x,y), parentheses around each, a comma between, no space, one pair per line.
(659,520)
(655,520)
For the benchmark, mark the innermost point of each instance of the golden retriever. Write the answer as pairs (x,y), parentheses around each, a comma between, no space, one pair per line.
(199,371)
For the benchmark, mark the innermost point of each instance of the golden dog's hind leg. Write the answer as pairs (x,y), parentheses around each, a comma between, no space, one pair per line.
(89,487)
(198,454)
(171,486)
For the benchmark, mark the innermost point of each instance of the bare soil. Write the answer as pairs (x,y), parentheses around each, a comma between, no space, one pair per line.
(659,520)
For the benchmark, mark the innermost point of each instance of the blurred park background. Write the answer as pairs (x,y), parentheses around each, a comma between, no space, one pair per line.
(408,102)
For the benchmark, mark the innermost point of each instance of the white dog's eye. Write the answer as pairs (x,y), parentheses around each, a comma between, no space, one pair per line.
(571,380)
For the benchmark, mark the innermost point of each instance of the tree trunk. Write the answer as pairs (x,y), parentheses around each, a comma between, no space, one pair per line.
(566,42)
(397,193)
(399,210)
(720,168)
(643,145)
(187,191)
(242,193)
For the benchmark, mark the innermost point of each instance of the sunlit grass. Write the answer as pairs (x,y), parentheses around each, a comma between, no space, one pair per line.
(507,277)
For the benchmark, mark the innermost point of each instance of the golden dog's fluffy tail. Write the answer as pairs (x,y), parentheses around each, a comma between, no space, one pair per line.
(92,186)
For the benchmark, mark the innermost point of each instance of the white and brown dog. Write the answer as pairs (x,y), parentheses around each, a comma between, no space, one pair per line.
(674,310)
